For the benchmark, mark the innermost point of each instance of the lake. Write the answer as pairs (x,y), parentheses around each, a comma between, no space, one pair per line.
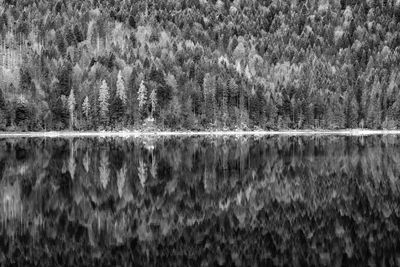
(168,201)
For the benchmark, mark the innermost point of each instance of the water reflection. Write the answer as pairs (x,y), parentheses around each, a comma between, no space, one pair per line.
(275,201)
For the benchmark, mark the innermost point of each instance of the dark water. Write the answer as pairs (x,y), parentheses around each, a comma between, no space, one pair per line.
(271,201)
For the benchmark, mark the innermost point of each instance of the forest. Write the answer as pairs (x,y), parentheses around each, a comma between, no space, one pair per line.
(199,64)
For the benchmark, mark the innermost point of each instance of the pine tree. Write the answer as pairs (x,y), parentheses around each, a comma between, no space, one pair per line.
(336,114)
(142,98)
(173,113)
(86,110)
(25,82)
(3,111)
(2,101)
(209,97)
(394,112)
(121,92)
(118,103)
(104,102)
(225,112)
(233,92)
(86,107)
(22,112)
(270,111)
(132,99)
(374,111)
(78,34)
(60,41)
(71,108)
(247,73)
(233,100)
(153,99)
(353,114)
(187,114)
(253,107)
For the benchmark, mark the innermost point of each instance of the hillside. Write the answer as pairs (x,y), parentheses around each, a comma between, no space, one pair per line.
(243,64)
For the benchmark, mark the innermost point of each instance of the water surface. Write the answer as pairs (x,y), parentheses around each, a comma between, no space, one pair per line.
(168,201)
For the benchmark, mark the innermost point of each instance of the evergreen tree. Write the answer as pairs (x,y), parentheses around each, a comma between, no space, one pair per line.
(394,112)
(132,100)
(119,101)
(3,111)
(209,97)
(26,85)
(233,100)
(121,92)
(142,98)
(2,101)
(374,111)
(59,110)
(153,99)
(104,103)
(173,113)
(64,79)
(62,48)
(23,113)
(336,118)
(225,112)
(353,114)
(78,34)
(71,107)
(70,37)
(187,114)
(86,108)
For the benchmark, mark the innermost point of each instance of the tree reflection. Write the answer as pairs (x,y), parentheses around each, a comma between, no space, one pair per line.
(103,169)
(121,178)
(142,172)
(276,201)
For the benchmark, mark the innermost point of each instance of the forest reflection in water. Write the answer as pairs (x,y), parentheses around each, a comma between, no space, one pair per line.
(275,201)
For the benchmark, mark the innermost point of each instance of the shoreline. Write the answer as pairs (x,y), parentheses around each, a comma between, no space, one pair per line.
(58,134)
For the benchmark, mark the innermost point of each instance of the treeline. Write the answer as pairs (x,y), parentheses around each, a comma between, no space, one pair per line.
(198,64)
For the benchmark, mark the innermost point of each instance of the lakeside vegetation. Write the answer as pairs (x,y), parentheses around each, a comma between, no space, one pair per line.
(199,65)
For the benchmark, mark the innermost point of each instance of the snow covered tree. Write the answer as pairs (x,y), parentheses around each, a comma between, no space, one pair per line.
(86,112)
(121,93)
(153,99)
(86,107)
(103,102)
(142,98)
(71,108)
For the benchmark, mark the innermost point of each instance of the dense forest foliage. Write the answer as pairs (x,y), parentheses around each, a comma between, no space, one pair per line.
(271,201)
(199,64)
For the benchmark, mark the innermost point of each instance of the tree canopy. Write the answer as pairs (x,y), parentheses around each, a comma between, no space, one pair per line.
(252,64)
